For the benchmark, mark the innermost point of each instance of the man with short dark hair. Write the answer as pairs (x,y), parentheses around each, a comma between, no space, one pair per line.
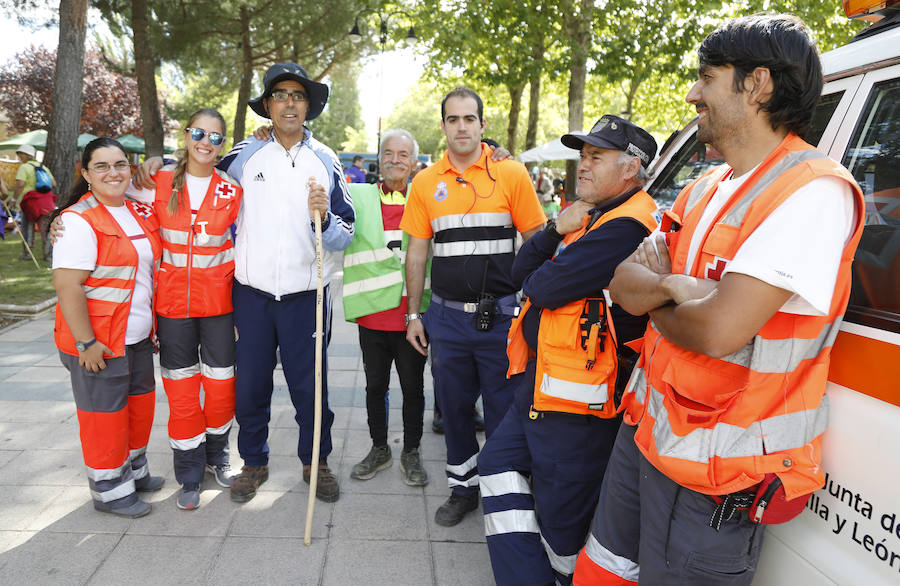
(746,286)
(355,172)
(472,208)
(541,470)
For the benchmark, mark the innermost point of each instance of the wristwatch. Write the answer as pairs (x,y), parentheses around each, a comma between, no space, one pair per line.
(82,346)
(411,316)
(550,229)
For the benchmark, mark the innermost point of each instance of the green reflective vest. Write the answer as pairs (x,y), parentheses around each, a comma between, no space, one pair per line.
(374,279)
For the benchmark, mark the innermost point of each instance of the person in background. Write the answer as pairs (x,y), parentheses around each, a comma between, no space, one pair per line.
(26,180)
(104,270)
(355,172)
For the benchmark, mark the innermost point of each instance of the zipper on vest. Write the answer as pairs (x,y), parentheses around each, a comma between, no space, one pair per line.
(190,258)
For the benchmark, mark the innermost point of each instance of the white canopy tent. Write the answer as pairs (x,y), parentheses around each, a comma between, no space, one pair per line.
(549,151)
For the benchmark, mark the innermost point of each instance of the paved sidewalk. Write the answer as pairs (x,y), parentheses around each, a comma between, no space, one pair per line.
(380,531)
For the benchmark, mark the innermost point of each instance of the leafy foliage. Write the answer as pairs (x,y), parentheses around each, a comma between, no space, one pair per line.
(110,105)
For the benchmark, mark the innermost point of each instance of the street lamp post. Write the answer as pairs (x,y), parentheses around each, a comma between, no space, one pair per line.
(355,34)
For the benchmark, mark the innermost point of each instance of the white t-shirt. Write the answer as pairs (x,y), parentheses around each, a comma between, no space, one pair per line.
(196,188)
(798,247)
(77,249)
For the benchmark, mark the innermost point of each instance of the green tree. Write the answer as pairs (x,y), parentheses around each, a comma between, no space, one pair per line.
(343,112)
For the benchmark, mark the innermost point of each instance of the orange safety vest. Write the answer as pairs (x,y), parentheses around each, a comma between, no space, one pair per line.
(198,257)
(717,426)
(576,353)
(110,285)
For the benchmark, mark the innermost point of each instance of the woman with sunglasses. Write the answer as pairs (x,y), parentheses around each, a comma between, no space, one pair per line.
(196,205)
(103,272)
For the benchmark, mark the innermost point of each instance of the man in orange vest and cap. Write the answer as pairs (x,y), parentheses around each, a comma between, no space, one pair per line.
(746,285)
(560,430)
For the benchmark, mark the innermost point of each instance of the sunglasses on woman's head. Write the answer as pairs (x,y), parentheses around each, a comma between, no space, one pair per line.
(197,135)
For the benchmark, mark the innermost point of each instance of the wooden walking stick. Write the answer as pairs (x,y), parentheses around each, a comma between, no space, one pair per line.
(19,231)
(317,420)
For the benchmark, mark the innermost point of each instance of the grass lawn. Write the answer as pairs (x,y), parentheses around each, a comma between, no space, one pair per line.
(20,282)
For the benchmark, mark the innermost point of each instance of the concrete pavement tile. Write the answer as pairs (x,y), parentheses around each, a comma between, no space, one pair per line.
(7,456)
(11,539)
(469,530)
(49,374)
(21,357)
(35,391)
(342,397)
(15,436)
(282,416)
(72,511)
(342,379)
(353,363)
(277,514)
(279,561)
(380,516)
(348,349)
(30,331)
(357,445)
(342,416)
(170,560)
(278,378)
(22,504)
(56,558)
(37,411)
(399,562)
(462,563)
(50,361)
(433,445)
(212,519)
(283,441)
(284,475)
(437,473)
(8,371)
(160,413)
(44,468)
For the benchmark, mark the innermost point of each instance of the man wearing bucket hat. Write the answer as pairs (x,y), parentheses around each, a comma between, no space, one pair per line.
(286,179)
(560,430)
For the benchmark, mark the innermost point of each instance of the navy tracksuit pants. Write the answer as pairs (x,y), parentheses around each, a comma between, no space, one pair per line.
(540,481)
(466,363)
(264,325)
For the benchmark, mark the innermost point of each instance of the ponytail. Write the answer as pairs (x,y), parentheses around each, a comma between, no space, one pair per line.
(178,183)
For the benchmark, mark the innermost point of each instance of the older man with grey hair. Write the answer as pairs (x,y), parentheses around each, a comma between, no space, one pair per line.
(375,299)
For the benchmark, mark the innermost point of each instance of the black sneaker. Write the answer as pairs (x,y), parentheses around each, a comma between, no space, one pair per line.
(379,458)
(456,507)
(411,469)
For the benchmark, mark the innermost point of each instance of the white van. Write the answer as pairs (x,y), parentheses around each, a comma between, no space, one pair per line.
(850,530)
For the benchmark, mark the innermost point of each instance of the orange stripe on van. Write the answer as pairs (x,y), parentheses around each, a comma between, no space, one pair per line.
(866,365)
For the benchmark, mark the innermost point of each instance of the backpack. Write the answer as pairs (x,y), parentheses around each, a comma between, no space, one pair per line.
(43,183)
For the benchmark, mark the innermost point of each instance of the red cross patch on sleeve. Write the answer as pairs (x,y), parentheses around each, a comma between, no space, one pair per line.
(143,209)
(715,268)
(225,191)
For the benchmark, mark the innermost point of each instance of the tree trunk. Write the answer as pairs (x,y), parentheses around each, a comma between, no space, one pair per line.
(515,107)
(240,115)
(146,78)
(65,116)
(534,95)
(579,27)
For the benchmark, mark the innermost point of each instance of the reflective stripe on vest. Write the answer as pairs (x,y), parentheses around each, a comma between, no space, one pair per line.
(718,425)
(114,272)
(201,261)
(576,354)
(479,220)
(374,274)
(112,294)
(473,247)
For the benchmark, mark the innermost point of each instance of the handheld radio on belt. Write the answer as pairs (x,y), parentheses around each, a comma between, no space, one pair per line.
(487,305)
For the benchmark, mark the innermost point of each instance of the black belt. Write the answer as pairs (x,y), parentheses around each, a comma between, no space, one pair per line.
(511,307)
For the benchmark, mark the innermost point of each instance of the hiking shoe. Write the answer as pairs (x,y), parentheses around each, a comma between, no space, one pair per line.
(149,483)
(437,423)
(189,497)
(379,458)
(411,469)
(479,421)
(132,511)
(244,485)
(327,488)
(222,473)
(456,507)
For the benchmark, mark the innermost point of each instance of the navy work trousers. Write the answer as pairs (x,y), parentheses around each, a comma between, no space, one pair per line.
(466,363)
(536,529)
(264,325)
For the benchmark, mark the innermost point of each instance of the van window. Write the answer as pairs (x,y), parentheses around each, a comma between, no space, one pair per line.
(694,158)
(873,158)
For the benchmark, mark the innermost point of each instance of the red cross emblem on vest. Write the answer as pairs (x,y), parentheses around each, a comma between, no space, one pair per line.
(714,269)
(142,209)
(225,191)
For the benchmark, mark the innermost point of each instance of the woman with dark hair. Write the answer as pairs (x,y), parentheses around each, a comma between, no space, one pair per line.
(196,204)
(103,272)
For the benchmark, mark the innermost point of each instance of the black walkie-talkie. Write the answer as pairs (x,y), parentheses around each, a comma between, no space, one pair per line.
(487,305)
